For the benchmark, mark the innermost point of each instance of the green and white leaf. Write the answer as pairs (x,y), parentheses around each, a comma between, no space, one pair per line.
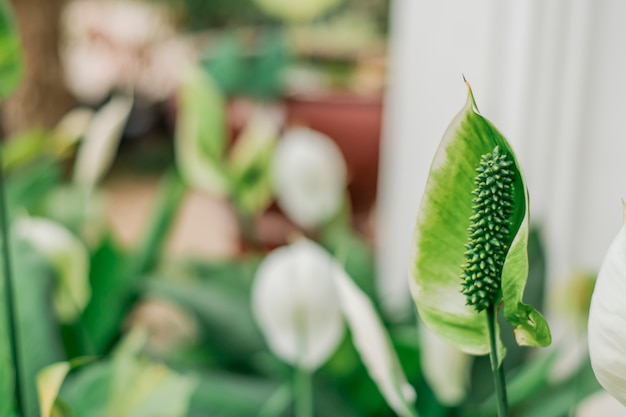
(441,234)
(201,133)
(129,385)
(49,382)
(99,147)
(374,344)
(70,259)
(251,161)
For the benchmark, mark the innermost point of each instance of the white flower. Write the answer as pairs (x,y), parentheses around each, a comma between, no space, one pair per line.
(296,304)
(301,296)
(607,320)
(309,177)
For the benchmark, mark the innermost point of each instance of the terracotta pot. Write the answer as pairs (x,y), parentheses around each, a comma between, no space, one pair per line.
(354,123)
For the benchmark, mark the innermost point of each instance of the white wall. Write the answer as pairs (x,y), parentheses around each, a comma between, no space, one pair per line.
(551,75)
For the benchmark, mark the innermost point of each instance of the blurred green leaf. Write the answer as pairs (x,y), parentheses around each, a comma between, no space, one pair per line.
(224,61)
(49,381)
(230,395)
(38,333)
(108,287)
(201,133)
(28,186)
(266,75)
(224,312)
(69,258)
(115,278)
(24,147)
(128,385)
(97,151)
(11,65)
(251,162)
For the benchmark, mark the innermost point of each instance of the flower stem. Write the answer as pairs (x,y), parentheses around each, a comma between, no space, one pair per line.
(304,392)
(496,367)
(7,272)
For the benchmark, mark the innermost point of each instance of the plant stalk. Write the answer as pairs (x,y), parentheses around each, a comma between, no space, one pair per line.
(10,296)
(304,392)
(496,368)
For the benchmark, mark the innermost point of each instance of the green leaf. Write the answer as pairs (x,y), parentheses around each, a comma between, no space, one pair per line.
(129,385)
(201,133)
(11,65)
(441,235)
(251,162)
(99,147)
(225,63)
(115,279)
(70,259)
(49,382)
(39,339)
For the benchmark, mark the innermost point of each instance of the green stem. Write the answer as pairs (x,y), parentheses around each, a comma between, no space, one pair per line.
(10,296)
(496,367)
(304,392)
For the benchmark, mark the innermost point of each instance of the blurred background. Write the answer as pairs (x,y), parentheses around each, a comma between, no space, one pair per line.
(382,79)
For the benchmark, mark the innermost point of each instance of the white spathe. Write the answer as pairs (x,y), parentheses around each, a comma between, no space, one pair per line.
(310,177)
(607,320)
(296,304)
(300,298)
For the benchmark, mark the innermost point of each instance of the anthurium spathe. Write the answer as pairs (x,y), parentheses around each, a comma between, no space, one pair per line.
(296,304)
(303,299)
(469,251)
(310,177)
(607,320)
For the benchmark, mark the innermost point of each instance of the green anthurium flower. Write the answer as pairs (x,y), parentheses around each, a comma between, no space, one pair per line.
(470,241)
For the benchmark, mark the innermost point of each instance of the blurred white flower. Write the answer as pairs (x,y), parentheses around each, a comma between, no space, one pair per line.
(120,45)
(310,177)
(70,259)
(301,296)
(607,320)
(296,305)
(445,368)
(99,146)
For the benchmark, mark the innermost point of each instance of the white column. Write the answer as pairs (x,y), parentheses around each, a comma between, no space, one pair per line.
(551,76)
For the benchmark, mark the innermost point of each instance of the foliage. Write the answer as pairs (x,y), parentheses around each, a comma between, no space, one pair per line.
(206,353)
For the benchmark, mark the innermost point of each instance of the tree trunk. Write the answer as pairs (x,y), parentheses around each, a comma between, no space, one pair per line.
(41,98)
